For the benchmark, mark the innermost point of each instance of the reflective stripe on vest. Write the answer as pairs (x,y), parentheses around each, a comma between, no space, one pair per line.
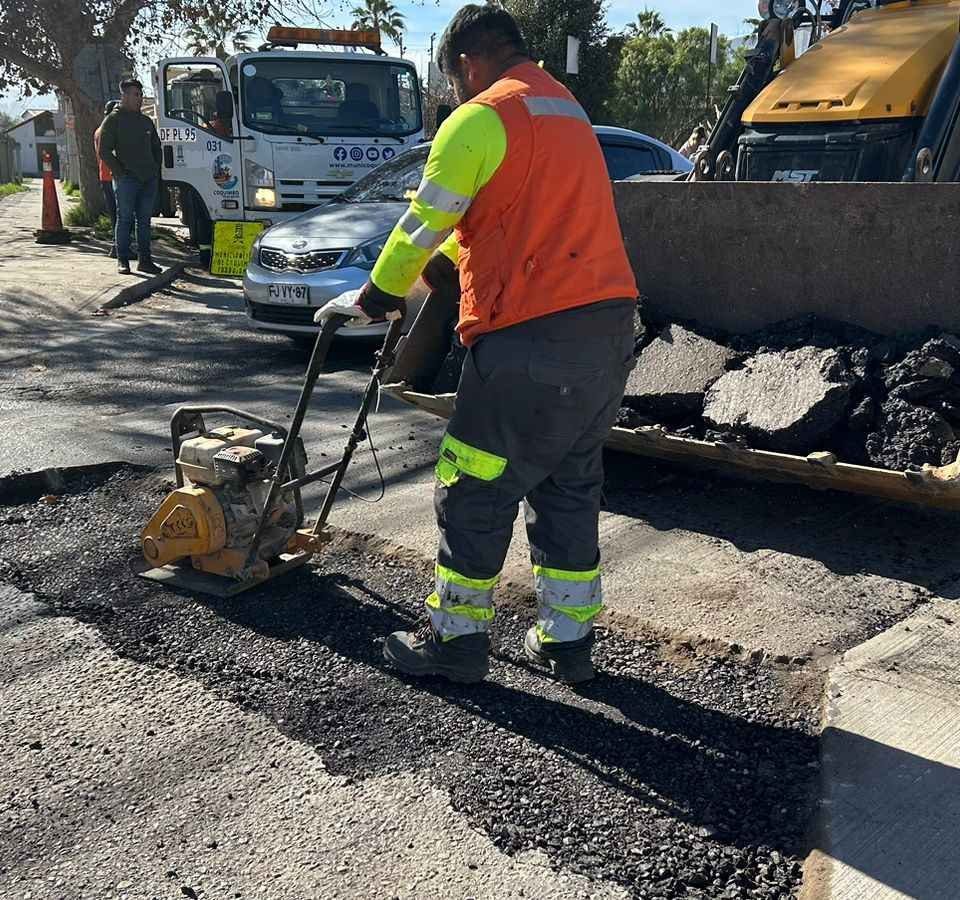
(556,106)
(460,605)
(567,602)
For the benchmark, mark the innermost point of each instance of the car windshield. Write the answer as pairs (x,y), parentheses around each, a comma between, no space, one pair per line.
(330,97)
(395,180)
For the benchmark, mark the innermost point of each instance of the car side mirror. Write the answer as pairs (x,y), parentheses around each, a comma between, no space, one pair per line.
(443,113)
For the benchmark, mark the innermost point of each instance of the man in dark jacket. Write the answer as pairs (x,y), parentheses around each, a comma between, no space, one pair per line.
(130,147)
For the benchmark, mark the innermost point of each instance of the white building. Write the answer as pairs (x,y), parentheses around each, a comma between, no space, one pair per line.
(35,133)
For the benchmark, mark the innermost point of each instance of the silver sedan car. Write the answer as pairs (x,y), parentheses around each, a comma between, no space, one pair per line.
(298,266)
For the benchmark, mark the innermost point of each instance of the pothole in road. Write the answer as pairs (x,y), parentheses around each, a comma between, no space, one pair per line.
(691,778)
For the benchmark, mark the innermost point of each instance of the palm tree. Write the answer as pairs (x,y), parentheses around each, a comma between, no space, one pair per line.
(649,24)
(382,16)
(210,36)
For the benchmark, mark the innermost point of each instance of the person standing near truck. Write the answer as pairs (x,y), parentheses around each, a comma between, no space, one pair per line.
(106,179)
(546,312)
(130,146)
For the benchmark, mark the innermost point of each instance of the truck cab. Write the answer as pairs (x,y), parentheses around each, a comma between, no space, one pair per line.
(265,135)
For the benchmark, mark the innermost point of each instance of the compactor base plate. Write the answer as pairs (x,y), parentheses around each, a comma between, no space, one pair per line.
(185,577)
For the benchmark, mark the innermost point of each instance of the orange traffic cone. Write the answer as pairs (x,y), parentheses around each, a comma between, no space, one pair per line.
(51,229)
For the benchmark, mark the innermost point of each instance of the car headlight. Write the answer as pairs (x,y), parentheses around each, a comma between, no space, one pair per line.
(255,248)
(365,255)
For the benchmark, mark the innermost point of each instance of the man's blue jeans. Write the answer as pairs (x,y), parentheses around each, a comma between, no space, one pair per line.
(135,199)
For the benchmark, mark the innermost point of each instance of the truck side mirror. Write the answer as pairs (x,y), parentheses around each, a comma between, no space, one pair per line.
(443,112)
(224,105)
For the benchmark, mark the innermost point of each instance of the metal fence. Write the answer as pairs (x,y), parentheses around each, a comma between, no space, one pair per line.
(9,160)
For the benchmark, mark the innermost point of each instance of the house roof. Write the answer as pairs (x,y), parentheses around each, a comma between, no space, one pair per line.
(33,114)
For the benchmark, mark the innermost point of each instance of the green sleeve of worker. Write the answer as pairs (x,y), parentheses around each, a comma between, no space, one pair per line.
(467,151)
(108,145)
(450,248)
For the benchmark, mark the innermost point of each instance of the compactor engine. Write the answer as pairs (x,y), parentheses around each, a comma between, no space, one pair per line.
(213,516)
(236,517)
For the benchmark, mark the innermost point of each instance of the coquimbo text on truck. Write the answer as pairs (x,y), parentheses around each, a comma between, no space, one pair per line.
(268,134)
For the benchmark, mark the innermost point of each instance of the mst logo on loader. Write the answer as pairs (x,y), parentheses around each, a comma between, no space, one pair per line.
(795,174)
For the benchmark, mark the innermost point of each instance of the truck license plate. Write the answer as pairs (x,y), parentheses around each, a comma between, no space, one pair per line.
(185,134)
(294,294)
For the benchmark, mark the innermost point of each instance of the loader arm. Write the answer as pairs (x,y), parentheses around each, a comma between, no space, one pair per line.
(717,161)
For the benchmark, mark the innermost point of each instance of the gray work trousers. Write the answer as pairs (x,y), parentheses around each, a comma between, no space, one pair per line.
(541,398)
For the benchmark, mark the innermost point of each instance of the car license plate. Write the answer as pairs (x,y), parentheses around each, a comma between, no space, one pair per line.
(294,294)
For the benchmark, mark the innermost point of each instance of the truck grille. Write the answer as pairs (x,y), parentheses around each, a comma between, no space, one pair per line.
(297,195)
(282,315)
(312,261)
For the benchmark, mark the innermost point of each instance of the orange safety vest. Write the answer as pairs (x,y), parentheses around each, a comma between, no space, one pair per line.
(105,173)
(542,235)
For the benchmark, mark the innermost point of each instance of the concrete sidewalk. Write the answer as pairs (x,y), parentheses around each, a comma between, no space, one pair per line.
(890,803)
(44,285)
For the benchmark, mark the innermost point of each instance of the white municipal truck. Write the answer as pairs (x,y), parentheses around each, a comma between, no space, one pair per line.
(265,135)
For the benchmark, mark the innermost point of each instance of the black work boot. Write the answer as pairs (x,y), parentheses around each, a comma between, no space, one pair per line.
(123,266)
(146,265)
(567,661)
(423,652)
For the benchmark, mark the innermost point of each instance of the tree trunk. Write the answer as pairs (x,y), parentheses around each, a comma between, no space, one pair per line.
(86,120)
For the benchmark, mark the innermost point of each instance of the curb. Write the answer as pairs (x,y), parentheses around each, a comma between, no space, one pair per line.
(28,487)
(143,289)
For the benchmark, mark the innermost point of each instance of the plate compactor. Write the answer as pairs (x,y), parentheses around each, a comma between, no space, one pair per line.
(236,518)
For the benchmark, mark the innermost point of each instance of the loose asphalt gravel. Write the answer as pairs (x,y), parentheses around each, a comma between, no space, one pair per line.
(676,773)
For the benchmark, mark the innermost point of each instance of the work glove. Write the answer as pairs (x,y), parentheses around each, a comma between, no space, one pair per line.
(346,304)
(379,305)
(441,276)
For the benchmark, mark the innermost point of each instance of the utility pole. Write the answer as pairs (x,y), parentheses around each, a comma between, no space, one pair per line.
(711,62)
(433,37)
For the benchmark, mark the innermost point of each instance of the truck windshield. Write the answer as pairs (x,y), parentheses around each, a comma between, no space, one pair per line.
(353,96)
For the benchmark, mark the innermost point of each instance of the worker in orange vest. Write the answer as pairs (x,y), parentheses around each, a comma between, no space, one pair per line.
(106,179)
(516,193)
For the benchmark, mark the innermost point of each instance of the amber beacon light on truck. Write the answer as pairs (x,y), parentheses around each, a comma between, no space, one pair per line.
(282,36)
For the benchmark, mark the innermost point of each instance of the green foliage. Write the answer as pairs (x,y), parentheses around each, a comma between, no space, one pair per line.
(79,216)
(11,187)
(102,228)
(218,33)
(660,86)
(546,23)
(382,16)
(71,189)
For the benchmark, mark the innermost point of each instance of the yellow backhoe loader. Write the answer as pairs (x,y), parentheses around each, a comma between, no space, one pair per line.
(827,187)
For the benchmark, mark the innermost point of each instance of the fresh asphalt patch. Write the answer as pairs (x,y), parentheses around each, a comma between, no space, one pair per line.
(674,774)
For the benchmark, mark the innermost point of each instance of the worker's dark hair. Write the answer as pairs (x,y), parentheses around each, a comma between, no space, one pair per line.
(478,30)
(128,83)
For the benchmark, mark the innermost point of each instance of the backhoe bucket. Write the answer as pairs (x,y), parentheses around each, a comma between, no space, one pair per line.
(739,256)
